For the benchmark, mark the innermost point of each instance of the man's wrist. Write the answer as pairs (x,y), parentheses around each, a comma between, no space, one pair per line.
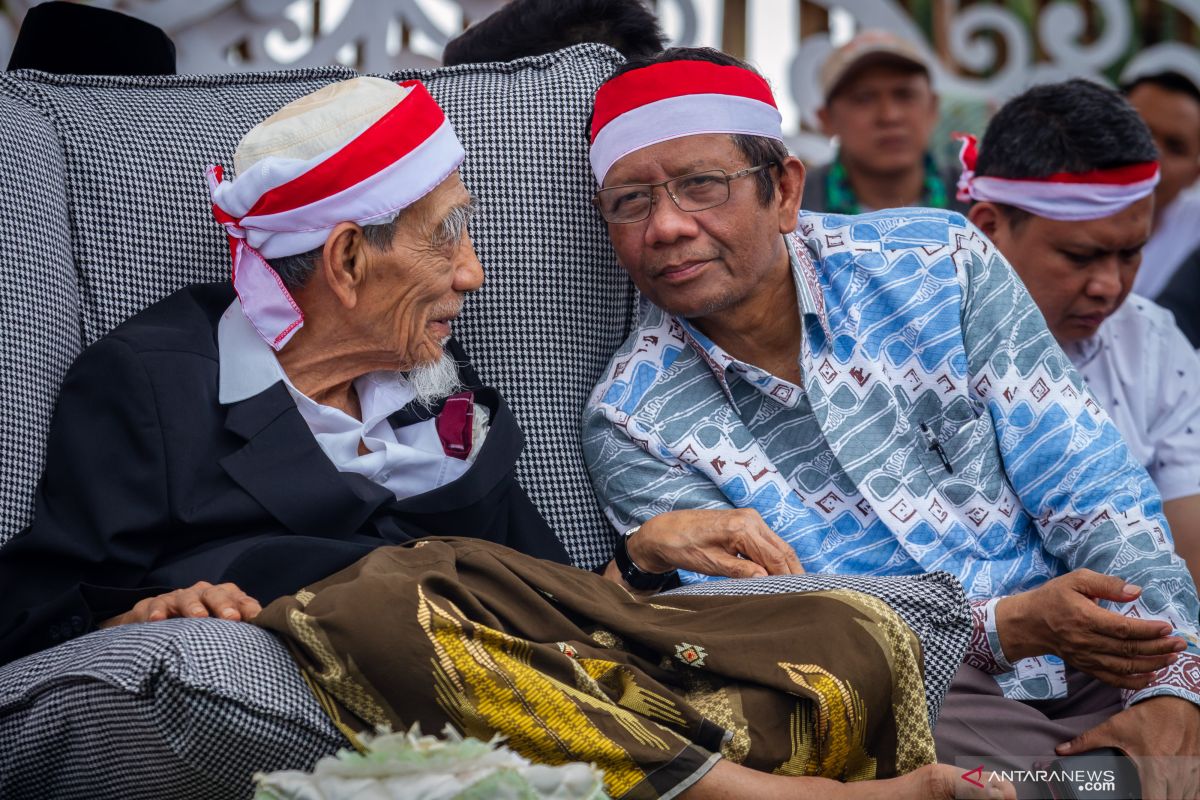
(632,572)
(1013,629)
(641,551)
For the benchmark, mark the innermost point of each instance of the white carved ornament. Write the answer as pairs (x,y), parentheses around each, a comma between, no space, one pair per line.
(244,35)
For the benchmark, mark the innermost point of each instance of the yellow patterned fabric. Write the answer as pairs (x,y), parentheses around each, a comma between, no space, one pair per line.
(571,667)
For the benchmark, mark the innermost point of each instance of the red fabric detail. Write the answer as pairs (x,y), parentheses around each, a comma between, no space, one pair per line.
(1183,674)
(217,173)
(979,650)
(674,79)
(396,134)
(454,425)
(969,153)
(1117,176)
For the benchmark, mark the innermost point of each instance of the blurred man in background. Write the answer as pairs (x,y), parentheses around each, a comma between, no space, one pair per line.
(1169,103)
(881,107)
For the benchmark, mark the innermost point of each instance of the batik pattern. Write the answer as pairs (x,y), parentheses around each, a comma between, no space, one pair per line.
(915,330)
(568,666)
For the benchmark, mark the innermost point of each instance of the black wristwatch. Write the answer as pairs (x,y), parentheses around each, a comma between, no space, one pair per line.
(634,575)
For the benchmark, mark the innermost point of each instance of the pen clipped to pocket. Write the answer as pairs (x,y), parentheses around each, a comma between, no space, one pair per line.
(935,446)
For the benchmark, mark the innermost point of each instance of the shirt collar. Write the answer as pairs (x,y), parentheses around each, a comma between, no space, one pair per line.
(247,365)
(812,308)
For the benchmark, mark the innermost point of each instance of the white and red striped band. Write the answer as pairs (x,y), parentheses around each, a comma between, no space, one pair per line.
(678,98)
(1066,196)
(283,207)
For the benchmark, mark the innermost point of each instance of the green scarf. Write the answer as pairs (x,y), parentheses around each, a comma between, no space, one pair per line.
(840,199)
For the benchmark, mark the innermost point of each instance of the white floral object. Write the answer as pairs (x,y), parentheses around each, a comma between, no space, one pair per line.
(409,766)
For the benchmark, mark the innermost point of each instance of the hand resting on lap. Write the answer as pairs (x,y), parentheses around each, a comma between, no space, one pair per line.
(202,599)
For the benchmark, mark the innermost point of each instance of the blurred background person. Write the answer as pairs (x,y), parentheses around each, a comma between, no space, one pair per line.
(880,105)
(76,39)
(1169,102)
(1170,105)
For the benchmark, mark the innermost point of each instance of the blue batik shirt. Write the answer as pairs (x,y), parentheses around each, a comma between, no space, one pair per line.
(915,330)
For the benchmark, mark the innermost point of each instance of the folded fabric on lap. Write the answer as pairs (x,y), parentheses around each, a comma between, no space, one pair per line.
(571,667)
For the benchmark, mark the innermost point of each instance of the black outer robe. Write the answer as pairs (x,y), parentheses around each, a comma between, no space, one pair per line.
(150,484)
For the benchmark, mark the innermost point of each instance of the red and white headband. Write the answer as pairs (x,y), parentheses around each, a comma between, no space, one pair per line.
(1067,196)
(678,98)
(282,207)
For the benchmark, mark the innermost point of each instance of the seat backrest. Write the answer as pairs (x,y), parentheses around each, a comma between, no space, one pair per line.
(107,211)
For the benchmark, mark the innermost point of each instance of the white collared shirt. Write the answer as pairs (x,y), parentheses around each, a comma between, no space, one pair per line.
(1142,370)
(407,461)
(1175,238)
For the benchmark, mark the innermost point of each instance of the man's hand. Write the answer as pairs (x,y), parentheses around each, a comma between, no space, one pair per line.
(1166,727)
(225,601)
(710,542)
(1061,617)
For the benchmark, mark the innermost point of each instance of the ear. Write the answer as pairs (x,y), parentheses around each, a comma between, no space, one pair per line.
(791,189)
(344,262)
(988,219)
(823,118)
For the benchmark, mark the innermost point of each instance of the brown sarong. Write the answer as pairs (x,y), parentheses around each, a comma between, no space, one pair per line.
(571,667)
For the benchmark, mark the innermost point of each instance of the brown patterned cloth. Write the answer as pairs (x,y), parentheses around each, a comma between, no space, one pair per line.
(571,667)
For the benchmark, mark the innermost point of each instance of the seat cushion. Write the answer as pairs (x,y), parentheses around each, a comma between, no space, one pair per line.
(555,305)
(186,708)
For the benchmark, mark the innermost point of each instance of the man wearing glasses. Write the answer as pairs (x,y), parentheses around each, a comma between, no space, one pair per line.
(880,393)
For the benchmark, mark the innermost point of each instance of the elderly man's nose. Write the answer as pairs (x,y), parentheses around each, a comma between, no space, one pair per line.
(468,271)
(667,222)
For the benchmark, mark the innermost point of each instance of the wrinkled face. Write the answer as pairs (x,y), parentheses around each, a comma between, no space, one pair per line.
(412,291)
(1174,120)
(694,264)
(883,118)
(1077,272)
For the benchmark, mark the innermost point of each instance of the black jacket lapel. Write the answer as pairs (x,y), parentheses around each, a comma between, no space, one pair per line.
(284,469)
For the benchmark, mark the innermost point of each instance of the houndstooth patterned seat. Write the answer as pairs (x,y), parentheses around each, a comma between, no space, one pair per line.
(553,309)
(106,211)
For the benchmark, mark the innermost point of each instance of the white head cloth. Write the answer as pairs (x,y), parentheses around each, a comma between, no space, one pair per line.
(678,98)
(1065,196)
(356,151)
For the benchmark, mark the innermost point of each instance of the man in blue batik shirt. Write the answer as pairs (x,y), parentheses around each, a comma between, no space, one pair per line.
(876,395)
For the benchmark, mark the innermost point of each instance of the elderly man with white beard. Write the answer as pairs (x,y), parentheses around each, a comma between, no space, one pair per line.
(239,439)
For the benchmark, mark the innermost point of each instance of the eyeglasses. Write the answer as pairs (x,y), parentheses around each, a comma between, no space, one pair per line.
(695,192)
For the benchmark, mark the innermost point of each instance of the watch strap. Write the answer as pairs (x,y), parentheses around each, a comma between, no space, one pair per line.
(632,574)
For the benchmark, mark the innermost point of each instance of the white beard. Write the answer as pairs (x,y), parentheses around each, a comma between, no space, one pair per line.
(433,382)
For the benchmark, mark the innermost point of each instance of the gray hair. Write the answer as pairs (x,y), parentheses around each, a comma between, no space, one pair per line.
(296,270)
